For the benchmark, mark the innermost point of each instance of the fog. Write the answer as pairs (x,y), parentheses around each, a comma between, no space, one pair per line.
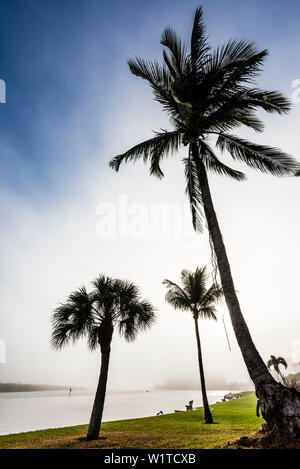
(52,245)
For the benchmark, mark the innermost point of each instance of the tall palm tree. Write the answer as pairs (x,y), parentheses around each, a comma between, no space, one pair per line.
(112,304)
(193,296)
(275,362)
(207,93)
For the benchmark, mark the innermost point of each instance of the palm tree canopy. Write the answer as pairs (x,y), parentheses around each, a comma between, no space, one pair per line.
(193,295)
(276,362)
(208,93)
(112,303)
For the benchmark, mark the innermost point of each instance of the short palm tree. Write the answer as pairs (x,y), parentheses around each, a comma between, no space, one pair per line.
(208,93)
(112,304)
(275,362)
(194,297)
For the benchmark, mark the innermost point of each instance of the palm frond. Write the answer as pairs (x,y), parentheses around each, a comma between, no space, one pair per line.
(230,111)
(228,69)
(127,294)
(62,333)
(171,66)
(93,337)
(156,74)
(176,61)
(270,101)
(249,119)
(193,191)
(127,329)
(194,283)
(236,53)
(238,108)
(176,296)
(159,78)
(266,159)
(168,144)
(199,46)
(189,278)
(102,283)
(72,319)
(104,297)
(158,147)
(146,316)
(231,75)
(282,361)
(134,314)
(126,290)
(139,315)
(271,361)
(212,163)
(208,312)
(212,296)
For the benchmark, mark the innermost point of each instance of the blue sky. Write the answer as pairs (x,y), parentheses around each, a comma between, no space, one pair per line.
(71,105)
(64,63)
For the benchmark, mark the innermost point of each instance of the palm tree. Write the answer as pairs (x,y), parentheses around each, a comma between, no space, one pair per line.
(112,304)
(275,362)
(207,93)
(193,296)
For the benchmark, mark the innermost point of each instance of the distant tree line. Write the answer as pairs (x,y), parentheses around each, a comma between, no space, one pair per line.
(17,387)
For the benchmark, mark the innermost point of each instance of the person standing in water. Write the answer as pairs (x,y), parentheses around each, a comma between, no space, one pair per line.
(70,390)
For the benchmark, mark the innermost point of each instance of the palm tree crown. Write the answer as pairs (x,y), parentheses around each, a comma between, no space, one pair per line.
(193,295)
(112,303)
(275,362)
(207,93)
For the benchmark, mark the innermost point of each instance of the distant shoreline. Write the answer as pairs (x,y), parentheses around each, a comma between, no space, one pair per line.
(174,430)
(17,387)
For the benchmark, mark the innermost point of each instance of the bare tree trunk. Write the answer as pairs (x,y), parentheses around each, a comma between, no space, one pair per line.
(105,337)
(96,416)
(279,406)
(207,413)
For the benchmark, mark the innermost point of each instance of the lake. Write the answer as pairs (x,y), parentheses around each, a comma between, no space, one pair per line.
(26,411)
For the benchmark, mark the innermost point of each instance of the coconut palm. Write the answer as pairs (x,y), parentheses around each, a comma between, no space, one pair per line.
(113,304)
(194,297)
(275,362)
(207,93)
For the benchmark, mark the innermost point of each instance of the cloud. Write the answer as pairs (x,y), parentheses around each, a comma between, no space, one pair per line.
(50,245)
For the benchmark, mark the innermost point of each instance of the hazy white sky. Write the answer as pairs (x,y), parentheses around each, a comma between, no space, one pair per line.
(51,245)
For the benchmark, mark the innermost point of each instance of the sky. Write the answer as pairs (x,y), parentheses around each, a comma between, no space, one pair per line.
(71,105)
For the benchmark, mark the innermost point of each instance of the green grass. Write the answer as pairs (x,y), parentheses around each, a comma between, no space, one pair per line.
(181,430)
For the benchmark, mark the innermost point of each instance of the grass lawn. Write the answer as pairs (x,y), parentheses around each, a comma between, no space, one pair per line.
(181,430)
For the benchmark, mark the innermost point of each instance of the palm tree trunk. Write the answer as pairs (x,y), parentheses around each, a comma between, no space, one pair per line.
(279,406)
(96,416)
(207,413)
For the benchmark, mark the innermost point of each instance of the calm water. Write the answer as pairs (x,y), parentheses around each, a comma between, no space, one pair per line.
(25,411)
